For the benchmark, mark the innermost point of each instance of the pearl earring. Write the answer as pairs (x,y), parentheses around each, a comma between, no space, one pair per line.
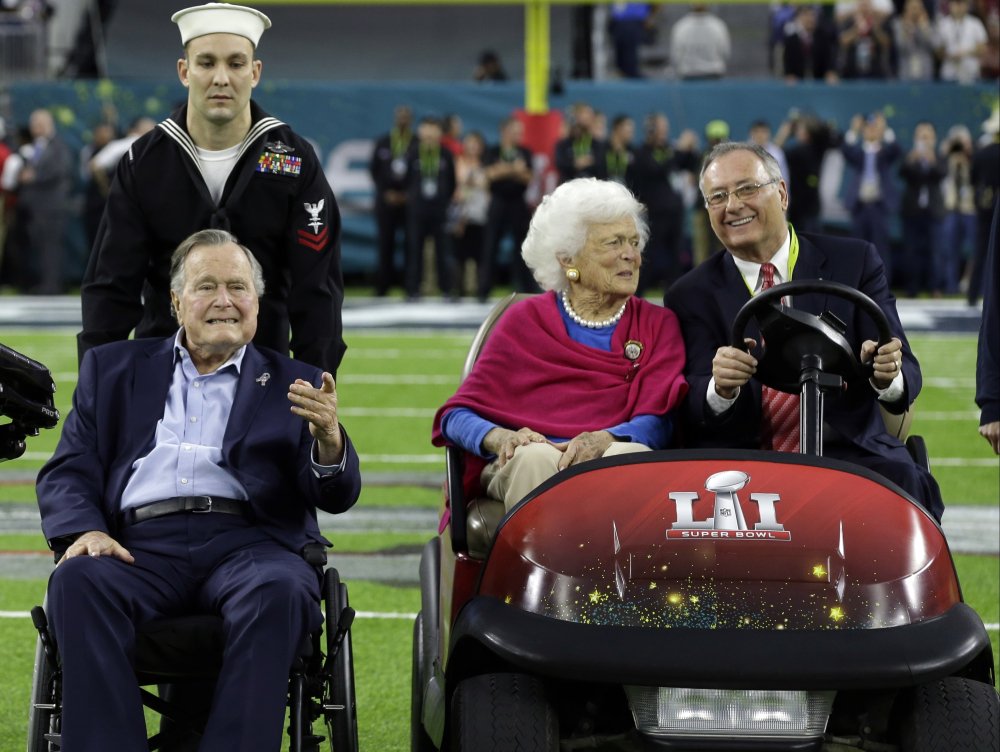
(572,274)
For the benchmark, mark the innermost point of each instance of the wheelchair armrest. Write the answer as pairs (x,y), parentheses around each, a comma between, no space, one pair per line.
(314,554)
(59,545)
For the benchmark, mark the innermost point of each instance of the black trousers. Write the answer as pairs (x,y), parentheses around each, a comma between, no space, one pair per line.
(506,216)
(267,595)
(423,223)
(389,222)
(662,257)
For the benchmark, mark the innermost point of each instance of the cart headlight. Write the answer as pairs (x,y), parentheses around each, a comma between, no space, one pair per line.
(754,713)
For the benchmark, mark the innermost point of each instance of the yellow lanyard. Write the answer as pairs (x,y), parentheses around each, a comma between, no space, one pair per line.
(793,256)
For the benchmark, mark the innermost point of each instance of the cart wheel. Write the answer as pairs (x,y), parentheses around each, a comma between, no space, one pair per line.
(495,712)
(419,740)
(952,715)
(341,715)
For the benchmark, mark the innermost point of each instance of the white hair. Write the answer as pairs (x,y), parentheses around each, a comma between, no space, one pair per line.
(559,227)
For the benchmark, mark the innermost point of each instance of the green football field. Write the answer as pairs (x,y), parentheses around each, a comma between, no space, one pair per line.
(389,386)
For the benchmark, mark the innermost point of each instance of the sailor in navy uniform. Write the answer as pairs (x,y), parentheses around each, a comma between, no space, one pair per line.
(220,161)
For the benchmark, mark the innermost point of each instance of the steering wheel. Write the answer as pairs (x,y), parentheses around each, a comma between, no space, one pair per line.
(789,334)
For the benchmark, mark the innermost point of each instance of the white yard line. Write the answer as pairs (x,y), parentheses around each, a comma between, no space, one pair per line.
(418,379)
(962,462)
(387,412)
(949,382)
(403,459)
(962,415)
(389,353)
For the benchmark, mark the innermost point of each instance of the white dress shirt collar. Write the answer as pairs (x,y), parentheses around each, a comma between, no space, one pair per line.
(751,269)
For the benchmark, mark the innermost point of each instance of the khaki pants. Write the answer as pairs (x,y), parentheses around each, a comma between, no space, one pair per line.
(531,465)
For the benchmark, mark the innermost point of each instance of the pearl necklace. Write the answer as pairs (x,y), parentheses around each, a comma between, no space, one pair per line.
(591,324)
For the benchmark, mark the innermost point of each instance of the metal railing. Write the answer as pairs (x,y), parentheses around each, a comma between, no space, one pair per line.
(23,49)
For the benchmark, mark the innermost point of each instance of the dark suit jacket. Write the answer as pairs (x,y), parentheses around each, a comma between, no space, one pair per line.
(564,161)
(446,182)
(49,192)
(707,299)
(854,155)
(988,352)
(917,178)
(119,398)
(814,60)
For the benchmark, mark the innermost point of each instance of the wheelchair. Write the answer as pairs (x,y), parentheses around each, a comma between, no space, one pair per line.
(183,655)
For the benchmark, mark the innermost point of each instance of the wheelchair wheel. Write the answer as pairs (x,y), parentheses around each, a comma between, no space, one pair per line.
(340,709)
(43,714)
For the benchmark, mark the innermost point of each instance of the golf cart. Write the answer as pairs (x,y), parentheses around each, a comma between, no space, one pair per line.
(704,599)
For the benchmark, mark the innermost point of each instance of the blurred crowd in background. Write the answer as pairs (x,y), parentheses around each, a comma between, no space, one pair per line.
(461,199)
(466,192)
(451,207)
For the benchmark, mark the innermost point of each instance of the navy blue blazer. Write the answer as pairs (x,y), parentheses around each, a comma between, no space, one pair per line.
(706,301)
(885,158)
(119,398)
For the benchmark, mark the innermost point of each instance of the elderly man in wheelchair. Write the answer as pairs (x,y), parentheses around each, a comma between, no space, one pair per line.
(186,479)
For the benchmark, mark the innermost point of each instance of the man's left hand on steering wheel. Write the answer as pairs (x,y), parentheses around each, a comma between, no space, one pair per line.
(887,362)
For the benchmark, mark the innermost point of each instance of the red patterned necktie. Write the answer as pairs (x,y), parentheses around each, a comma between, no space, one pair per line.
(780,410)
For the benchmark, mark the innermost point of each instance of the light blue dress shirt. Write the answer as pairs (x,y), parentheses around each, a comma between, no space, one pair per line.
(187,447)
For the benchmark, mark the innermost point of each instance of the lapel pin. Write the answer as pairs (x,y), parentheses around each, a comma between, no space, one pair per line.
(263,378)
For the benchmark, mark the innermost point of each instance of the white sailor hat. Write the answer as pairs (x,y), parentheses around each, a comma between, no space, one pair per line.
(221,18)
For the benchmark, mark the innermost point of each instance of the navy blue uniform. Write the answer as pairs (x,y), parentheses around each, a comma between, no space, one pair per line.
(277,202)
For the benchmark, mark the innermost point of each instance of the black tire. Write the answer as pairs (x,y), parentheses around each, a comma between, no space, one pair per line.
(41,721)
(419,740)
(951,715)
(342,725)
(502,712)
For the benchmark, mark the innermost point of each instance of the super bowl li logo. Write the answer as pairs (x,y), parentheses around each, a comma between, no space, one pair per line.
(727,522)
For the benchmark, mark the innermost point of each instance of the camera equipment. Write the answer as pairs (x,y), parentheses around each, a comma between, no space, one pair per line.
(26,397)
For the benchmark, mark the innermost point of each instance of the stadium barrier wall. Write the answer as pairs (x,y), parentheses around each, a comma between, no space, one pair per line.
(343,119)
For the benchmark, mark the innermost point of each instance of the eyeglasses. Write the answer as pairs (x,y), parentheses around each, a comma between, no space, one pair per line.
(743,193)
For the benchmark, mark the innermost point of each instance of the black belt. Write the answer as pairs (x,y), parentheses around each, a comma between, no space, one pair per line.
(176,504)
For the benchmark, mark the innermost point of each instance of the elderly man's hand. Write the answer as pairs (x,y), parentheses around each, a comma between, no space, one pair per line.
(587,446)
(732,368)
(991,432)
(887,362)
(96,543)
(502,442)
(319,407)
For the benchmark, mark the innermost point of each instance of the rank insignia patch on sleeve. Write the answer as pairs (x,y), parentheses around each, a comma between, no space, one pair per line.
(315,239)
